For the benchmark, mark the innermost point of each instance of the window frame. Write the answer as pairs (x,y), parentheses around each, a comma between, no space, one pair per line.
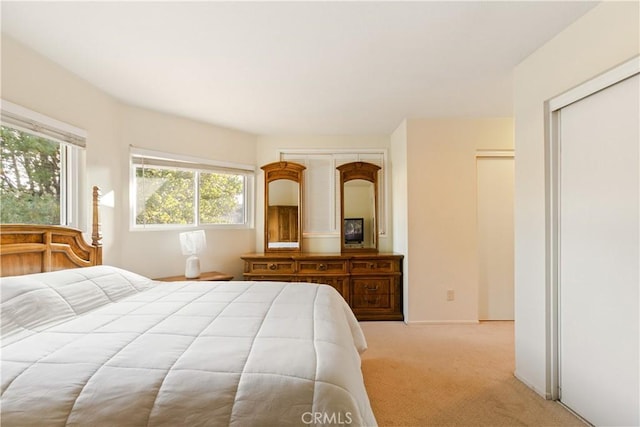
(173,161)
(72,142)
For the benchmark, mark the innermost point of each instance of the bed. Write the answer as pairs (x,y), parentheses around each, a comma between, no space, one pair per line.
(89,344)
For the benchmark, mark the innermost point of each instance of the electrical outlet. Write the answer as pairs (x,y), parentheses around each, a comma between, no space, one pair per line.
(451,295)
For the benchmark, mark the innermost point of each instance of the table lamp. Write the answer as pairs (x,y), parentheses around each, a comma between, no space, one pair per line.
(192,243)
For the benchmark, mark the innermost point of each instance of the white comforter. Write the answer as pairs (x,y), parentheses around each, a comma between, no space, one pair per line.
(101,346)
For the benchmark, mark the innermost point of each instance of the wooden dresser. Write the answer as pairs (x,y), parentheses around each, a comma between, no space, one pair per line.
(371,283)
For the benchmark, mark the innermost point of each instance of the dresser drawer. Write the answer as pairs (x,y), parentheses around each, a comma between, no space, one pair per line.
(268,278)
(373,266)
(323,267)
(340,284)
(370,301)
(270,266)
(370,283)
(371,286)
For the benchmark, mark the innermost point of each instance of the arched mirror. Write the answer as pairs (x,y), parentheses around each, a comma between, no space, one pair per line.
(283,186)
(358,207)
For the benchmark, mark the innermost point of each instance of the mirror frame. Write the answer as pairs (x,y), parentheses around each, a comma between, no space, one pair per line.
(367,172)
(273,172)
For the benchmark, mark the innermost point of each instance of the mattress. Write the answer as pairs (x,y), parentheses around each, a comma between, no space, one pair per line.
(102,346)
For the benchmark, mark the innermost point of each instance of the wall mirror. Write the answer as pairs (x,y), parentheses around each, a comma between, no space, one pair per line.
(359,207)
(283,189)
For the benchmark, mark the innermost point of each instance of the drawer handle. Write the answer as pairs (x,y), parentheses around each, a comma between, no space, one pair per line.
(372,265)
(322,267)
(272,266)
(371,288)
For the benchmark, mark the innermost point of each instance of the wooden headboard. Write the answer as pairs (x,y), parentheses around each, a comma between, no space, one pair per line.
(27,248)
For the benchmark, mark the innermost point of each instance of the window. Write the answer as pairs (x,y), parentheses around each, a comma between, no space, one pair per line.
(322,192)
(39,168)
(178,191)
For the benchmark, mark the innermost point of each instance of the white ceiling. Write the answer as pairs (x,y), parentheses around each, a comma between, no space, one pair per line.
(296,67)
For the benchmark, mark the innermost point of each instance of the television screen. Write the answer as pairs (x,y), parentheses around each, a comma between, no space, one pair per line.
(353,230)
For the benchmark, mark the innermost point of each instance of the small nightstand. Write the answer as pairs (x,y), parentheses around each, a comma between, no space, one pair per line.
(209,276)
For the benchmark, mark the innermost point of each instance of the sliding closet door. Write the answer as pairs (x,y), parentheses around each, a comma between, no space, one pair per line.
(599,255)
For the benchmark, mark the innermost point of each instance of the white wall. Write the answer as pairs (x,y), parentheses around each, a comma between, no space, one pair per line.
(400,205)
(34,82)
(606,36)
(442,228)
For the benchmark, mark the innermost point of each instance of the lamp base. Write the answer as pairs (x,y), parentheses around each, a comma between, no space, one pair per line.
(192,268)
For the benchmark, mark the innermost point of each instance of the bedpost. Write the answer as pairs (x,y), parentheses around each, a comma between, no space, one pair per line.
(96,235)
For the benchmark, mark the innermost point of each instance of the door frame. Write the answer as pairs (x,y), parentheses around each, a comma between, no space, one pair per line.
(552,120)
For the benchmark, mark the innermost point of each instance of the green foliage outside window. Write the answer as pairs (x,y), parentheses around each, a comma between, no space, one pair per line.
(167,196)
(221,198)
(29,178)
(164,196)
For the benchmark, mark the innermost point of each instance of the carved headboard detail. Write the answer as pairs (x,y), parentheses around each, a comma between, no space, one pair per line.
(28,248)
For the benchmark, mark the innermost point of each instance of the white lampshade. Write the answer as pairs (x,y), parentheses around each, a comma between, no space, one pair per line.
(193,242)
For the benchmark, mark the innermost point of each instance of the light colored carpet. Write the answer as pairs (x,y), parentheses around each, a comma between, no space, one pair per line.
(451,375)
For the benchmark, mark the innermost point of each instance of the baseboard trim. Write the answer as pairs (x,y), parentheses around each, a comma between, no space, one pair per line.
(543,394)
(584,420)
(442,322)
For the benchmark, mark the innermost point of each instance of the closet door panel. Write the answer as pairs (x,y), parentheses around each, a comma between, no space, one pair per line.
(598,247)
